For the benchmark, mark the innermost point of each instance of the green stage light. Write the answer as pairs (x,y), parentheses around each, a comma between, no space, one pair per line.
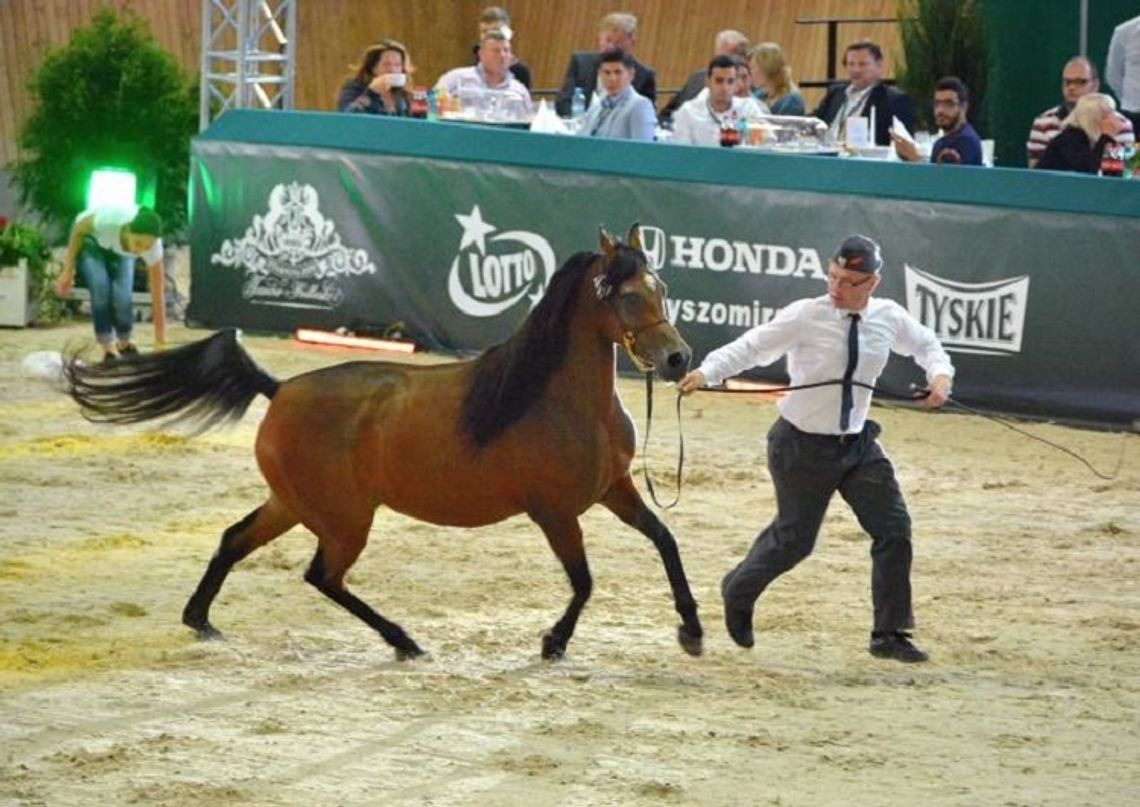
(111,187)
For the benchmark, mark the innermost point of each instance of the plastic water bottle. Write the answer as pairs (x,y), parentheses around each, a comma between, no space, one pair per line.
(578,103)
(432,105)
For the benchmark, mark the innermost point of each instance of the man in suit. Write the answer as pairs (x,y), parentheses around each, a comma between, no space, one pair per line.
(728,43)
(615,32)
(863,91)
(618,110)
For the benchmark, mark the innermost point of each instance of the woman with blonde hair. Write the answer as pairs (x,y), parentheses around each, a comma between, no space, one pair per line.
(1079,146)
(379,85)
(772,80)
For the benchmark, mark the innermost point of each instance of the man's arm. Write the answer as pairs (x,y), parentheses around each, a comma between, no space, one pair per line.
(920,342)
(821,111)
(83,227)
(643,121)
(1114,66)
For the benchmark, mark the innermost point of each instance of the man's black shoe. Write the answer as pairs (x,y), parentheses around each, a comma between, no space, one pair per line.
(738,621)
(897,646)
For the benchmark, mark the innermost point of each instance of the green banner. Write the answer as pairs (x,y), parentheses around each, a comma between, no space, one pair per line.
(1035,307)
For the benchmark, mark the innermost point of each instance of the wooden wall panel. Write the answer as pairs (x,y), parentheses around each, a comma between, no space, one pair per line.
(675,37)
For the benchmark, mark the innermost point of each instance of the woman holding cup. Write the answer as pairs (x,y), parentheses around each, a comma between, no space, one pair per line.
(379,85)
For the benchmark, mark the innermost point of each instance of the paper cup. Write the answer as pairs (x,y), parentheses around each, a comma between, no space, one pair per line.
(397,79)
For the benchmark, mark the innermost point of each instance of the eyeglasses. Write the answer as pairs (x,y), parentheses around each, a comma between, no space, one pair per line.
(844,283)
(1075,82)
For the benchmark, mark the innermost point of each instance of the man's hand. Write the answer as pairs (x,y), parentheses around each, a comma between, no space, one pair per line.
(64,282)
(906,149)
(692,382)
(939,392)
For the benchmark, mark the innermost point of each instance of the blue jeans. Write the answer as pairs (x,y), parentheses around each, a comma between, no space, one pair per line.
(110,279)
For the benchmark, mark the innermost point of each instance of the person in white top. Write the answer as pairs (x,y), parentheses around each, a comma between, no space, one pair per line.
(493,72)
(106,242)
(823,442)
(699,121)
(1123,67)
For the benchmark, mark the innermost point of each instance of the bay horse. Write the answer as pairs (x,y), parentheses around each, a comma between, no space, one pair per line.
(534,425)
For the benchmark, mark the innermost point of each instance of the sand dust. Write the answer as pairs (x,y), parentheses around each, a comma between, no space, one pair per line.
(1026,584)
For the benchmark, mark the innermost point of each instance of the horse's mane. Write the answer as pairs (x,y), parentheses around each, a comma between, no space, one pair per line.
(512,375)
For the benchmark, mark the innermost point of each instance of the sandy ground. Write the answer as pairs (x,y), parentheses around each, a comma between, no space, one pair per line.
(1026,570)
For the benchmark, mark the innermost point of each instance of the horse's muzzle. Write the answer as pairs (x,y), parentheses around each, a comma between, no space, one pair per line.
(676,364)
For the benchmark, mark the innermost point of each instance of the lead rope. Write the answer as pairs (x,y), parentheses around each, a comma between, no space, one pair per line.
(645,446)
(917,395)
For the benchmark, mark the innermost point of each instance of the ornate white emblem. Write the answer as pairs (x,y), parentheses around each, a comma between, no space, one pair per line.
(292,255)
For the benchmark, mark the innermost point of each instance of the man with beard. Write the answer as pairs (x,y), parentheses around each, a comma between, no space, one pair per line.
(959,144)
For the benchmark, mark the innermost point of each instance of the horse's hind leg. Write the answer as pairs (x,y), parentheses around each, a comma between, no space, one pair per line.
(257,529)
(626,503)
(564,534)
(326,573)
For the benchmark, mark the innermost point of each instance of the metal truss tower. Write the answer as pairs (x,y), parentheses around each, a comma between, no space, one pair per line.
(248,56)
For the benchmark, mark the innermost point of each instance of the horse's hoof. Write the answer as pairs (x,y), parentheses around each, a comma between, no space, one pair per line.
(208,633)
(409,653)
(691,642)
(552,649)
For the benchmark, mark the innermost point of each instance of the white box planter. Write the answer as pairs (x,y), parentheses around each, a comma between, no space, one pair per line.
(16,306)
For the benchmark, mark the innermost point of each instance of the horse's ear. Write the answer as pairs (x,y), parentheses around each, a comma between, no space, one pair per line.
(634,238)
(606,241)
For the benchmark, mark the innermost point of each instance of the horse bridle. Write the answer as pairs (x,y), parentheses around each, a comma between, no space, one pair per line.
(629,340)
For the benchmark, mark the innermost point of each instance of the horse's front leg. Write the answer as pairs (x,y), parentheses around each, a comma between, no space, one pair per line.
(626,503)
(564,534)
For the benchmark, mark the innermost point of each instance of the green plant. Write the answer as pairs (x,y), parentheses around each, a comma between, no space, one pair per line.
(943,38)
(29,242)
(110,95)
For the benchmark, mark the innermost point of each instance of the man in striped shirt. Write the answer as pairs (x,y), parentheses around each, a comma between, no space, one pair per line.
(1078,78)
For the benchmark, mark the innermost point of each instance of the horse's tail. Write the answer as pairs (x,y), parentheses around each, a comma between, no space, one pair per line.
(202,384)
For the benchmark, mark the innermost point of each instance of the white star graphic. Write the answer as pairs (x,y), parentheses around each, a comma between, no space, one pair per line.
(474,229)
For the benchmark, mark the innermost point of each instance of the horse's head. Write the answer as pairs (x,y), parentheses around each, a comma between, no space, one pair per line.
(635,299)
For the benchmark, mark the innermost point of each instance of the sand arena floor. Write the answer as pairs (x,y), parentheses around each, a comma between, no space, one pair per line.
(1026,584)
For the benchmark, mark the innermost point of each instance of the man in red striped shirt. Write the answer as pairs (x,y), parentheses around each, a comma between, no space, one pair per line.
(1078,78)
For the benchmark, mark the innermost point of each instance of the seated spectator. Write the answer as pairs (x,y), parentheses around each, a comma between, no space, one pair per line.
(379,86)
(492,72)
(1079,146)
(727,43)
(496,17)
(772,80)
(699,121)
(619,110)
(743,78)
(1078,79)
(959,144)
(615,32)
(864,91)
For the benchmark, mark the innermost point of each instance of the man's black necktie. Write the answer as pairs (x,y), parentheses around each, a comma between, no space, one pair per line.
(852,361)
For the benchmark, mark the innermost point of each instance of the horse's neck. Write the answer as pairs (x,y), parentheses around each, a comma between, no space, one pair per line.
(590,367)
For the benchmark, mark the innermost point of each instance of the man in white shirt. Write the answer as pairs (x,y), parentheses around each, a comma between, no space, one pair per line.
(699,121)
(1123,68)
(493,72)
(823,442)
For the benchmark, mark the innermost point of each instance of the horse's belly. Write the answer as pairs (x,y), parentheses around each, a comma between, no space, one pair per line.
(467,491)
